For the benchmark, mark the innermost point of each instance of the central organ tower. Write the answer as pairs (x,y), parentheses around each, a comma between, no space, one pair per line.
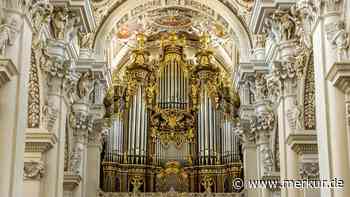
(171,112)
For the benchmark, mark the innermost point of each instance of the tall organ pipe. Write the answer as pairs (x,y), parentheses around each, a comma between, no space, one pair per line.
(137,127)
(173,83)
(207,129)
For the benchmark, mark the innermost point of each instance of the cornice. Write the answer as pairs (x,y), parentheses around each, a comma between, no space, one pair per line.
(39,140)
(7,70)
(71,181)
(303,143)
(339,75)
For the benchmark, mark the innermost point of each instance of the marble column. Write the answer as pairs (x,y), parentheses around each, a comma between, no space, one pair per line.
(14,72)
(56,120)
(263,126)
(81,123)
(94,149)
(284,73)
(250,156)
(330,106)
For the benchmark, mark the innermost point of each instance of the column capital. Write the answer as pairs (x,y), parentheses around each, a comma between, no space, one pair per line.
(303,143)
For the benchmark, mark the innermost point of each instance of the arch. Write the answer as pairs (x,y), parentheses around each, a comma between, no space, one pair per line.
(213,8)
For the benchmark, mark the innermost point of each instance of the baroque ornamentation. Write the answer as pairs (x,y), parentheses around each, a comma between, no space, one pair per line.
(59,23)
(207,182)
(282,25)
(340,38)
(295,117)
(34,170)
(85,39)
(85,85)
(264,121)
(49,116)
(309,97)
(41,15)
(267,159)
(136,182)
(34,107)
(8,32)
(80,121)
(261,91)
(76,159)
(309,170)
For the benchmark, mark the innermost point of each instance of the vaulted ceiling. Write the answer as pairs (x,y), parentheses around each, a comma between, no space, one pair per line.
(118,21)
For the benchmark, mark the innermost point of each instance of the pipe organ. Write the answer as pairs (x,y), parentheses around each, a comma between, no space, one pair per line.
(171,120)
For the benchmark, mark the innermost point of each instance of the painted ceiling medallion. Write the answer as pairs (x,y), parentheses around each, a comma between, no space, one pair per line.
(173,17)
(174,21)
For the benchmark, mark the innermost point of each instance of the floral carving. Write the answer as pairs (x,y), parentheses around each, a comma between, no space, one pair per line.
(309,170)
(80,120)
(263,121)
(34,96)
(41,15)
(309,97)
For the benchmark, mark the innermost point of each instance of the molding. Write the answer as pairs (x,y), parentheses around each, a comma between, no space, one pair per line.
(71,181)
(83,8)
(39,140)
(7,70)
(339,75)
(303,143)
(262,9)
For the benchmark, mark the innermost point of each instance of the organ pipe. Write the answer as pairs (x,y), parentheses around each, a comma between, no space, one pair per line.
(136,132)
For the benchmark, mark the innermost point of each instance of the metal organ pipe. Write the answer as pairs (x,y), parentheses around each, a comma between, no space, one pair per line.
(138,118)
